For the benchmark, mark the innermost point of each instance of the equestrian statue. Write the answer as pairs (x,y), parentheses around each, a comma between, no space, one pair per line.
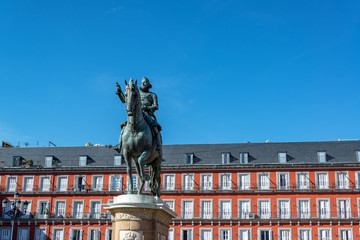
(140,138)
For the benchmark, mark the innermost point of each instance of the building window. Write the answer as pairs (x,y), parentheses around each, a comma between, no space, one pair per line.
(284,209)
(344,208)
(342,180)
(118,160)
(187,234)
(324,208)
(80,183)
(264,181)
(304,234)
(189,158)
(75,234)
(188,209)
(225,158)
(83,161)
(171,235)
(325,234)
(115,183)
(206,209)
(264,209)
(11,184)
(169,182)
(282,157)
(17,161)
(95,209)
(188,182)
(244,181)
(135,182)
(78,209)
(283,181)
(60,209)
(23,233)
(28,184)
(244,158)
(94,234)
(108,234)
(49,161)
(357,153)
(244,234)
(244,209)
(43,208)
(206,182)
(225,209)
(303,181)
(206,234)
(345,234)
(62,184)
(28,209)
(225,181)
(44,184)
(97,183)
(40,234)
(322,180)
(170,204)
(225,234)
(285,234)
(5,233)
(264,234)
(304,208)
(321,157)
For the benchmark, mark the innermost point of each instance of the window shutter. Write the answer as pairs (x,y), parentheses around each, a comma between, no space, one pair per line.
(270,234)
(258,235)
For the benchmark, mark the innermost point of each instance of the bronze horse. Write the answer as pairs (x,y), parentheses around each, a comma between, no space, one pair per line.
(138,143)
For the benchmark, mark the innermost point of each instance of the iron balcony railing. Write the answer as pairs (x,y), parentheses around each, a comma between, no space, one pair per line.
(66,215)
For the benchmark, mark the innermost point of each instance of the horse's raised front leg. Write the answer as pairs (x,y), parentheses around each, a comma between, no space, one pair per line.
(141,180)
(141,160)
(129,173)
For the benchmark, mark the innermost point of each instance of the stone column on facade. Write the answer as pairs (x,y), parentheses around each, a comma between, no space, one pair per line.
(139,217)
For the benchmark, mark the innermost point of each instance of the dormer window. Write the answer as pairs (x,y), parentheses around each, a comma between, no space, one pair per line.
(49,161)
(282,157)
(226,158)
(83,161)
(189,158)
(321,156)
(244,158)
(17,161)
(357,153)
(118,159)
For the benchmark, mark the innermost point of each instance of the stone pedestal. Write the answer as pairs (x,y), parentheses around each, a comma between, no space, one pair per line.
(139,217)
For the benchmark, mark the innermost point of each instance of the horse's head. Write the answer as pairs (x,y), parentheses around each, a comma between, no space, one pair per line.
(132,97)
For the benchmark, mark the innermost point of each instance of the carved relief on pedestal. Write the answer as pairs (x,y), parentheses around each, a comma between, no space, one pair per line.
(131,235)
(134,214)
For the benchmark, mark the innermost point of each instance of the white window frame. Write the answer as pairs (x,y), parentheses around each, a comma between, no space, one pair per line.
(23,228)
(329,229)
(205,229)
(279,210)
(321,157)
(225,158)
(73,209)
(246,186)
(97,188)
(40,229)
(304,229)
(8,183)
(282,157)
(186,229)
(239,212)
(76,228)
(58,186)
(183,212)
(97,215)
(317,180)
(76,187)
(225,229)
(41,188)
(47,201)
(265,229)
(259,207)
(287,187)
(93,228)
(347,181)
(49,161)
(318,207)
(171,234)
(346,229)
(212,208)
(24,183)
(221,212)
(357,179)
(189,156)
(203,186)
(83,158)
(107,233)
(118,160)
(259,182)
(307,177)
(244,157)
(55,207)
(284,229)
(338,207)
(225,188)
(8,230)
(192,185)
(299,207)
(249,230)
(117,188)
(170,200)
(166,186)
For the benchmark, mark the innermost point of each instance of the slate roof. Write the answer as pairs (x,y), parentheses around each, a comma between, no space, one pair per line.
(204,154)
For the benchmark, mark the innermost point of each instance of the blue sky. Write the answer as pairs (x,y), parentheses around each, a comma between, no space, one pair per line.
(224,71)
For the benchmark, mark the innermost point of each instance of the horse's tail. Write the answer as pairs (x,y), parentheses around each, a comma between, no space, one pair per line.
(155,182)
